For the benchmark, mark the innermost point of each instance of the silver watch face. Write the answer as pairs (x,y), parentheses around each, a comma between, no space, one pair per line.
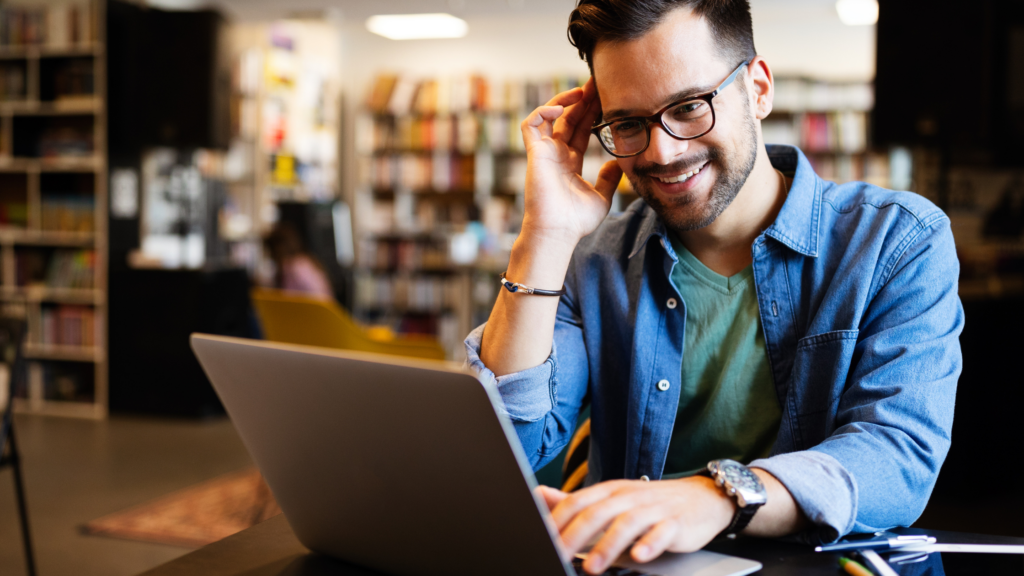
(747,486)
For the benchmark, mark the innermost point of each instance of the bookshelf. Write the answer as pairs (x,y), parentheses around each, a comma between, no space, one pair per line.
(53,202)
(441,172)
(828,121)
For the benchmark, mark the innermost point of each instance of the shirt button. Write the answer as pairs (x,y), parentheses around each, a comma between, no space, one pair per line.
(645,478)
(671,303)
(663,385)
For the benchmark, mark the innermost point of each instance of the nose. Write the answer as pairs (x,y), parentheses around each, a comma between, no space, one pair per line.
(663,148)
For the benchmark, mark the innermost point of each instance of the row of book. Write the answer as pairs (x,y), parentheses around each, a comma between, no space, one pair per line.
(870,168)
(61,269)
(12,81)
(71,269)
(65,142)
(403,254)
(13,214)
(495,132)
(403,293)
(439,172)
(400,95)
(69,213)
(845,132)
(74,78)
(52,25)
(67,325)
(442,132)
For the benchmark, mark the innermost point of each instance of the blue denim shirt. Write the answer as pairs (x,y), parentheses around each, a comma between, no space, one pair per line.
(857,290)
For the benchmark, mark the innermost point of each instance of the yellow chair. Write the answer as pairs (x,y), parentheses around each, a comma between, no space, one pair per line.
(297,319)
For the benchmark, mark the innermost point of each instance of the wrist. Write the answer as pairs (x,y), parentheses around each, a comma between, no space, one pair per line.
(540,261)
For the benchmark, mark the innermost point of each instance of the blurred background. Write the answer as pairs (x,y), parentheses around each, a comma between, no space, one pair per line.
(317,172)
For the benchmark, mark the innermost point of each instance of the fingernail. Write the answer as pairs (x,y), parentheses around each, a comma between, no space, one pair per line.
(596,562)
(641,552)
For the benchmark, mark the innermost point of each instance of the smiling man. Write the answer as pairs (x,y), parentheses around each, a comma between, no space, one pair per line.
(747,322)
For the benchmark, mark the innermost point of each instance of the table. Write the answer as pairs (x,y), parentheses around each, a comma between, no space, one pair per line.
(271,549)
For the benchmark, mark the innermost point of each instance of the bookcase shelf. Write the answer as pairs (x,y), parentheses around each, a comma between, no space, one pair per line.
(53,228)
(59,352)
(50,294)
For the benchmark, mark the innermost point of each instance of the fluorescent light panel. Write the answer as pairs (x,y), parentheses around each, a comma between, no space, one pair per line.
(857,12)
(417,26)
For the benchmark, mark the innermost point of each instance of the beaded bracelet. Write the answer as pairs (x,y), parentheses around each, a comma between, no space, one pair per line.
(516,287)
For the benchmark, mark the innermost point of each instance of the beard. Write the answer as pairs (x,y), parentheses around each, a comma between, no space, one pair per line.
(686,213)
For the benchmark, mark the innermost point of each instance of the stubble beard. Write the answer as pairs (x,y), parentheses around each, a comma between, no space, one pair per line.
(685,213)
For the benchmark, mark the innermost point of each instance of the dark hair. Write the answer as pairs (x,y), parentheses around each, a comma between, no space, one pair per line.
(595,21)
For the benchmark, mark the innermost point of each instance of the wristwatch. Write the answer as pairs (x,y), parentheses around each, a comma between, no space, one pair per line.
(740,483)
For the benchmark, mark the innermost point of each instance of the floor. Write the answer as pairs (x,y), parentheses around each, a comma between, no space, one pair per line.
(77,470)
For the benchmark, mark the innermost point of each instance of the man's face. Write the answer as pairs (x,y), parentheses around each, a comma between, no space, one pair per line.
(678,59)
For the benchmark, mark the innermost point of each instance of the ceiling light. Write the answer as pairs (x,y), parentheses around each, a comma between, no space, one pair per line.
(857,12)
(417,26)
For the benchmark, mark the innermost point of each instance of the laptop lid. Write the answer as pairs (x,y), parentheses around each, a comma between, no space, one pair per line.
(403,466)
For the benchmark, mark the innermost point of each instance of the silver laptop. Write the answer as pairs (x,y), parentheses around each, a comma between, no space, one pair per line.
(403,466)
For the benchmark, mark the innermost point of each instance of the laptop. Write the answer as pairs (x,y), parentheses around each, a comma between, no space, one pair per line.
(407,467)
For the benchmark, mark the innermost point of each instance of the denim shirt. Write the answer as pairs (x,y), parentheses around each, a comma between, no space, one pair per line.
(857,291)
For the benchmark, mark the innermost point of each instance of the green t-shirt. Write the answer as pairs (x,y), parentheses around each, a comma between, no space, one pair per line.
(727,403)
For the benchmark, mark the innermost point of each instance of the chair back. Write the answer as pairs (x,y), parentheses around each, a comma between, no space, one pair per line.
(297,319)
(12,370)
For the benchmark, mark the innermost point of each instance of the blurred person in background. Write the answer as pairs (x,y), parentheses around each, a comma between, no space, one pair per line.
(748,325)
(295,270)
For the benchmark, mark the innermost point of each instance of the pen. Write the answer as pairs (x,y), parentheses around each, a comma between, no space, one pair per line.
(878,543)
(853,567)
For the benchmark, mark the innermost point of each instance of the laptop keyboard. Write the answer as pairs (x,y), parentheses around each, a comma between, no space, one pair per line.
(577,564)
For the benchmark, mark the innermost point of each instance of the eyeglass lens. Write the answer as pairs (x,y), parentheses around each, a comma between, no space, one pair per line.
(629,136)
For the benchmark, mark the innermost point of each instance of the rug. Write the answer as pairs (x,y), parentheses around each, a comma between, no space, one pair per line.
(194,516)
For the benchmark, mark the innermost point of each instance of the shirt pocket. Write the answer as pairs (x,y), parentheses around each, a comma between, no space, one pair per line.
(820,367)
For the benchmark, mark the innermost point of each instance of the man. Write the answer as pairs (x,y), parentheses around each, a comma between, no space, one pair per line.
(746,310)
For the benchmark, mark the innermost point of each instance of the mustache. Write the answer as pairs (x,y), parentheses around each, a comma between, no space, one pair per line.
(680,166)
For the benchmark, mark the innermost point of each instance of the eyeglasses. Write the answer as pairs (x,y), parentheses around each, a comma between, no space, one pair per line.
(685,120)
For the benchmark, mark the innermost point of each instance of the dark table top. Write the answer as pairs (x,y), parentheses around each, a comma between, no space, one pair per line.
(271,549)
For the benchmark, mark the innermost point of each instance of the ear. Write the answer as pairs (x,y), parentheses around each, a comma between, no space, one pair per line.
(761,87)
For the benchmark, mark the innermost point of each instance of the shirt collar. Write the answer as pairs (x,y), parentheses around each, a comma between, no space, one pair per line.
(796,226)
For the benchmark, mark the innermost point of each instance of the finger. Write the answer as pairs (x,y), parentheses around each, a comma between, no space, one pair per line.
(581,137)
(579,501)
(551,496)
(567,125)
(538,124)
(656,541)
(608,179)
(590,522)
(566,98)
(625,529)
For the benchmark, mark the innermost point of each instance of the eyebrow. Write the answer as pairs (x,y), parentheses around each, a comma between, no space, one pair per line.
(681,95)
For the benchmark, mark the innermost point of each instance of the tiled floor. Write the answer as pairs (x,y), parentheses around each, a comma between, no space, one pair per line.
(79,470)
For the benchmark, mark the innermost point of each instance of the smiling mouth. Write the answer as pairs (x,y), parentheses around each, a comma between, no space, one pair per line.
(681,177)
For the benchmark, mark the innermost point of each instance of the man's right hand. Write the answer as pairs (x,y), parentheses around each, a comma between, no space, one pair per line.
(560,205)
(561,208)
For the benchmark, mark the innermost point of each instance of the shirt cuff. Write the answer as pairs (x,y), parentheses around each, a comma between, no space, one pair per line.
(823,489)
(528,395)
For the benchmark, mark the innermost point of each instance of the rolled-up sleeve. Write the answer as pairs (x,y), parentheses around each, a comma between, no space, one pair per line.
(544,401)
(821,486)
(528,395)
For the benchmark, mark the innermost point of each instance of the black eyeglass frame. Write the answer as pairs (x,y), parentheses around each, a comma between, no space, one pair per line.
(657,116)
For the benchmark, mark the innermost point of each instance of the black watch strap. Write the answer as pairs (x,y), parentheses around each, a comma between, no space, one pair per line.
(741,519)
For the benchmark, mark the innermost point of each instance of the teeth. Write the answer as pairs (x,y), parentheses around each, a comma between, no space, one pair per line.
(681,177)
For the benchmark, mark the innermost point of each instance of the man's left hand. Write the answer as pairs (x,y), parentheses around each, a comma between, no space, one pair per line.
(648,518)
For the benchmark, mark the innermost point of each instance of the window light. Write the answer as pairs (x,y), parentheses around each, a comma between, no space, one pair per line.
(417,26)
(857,12)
